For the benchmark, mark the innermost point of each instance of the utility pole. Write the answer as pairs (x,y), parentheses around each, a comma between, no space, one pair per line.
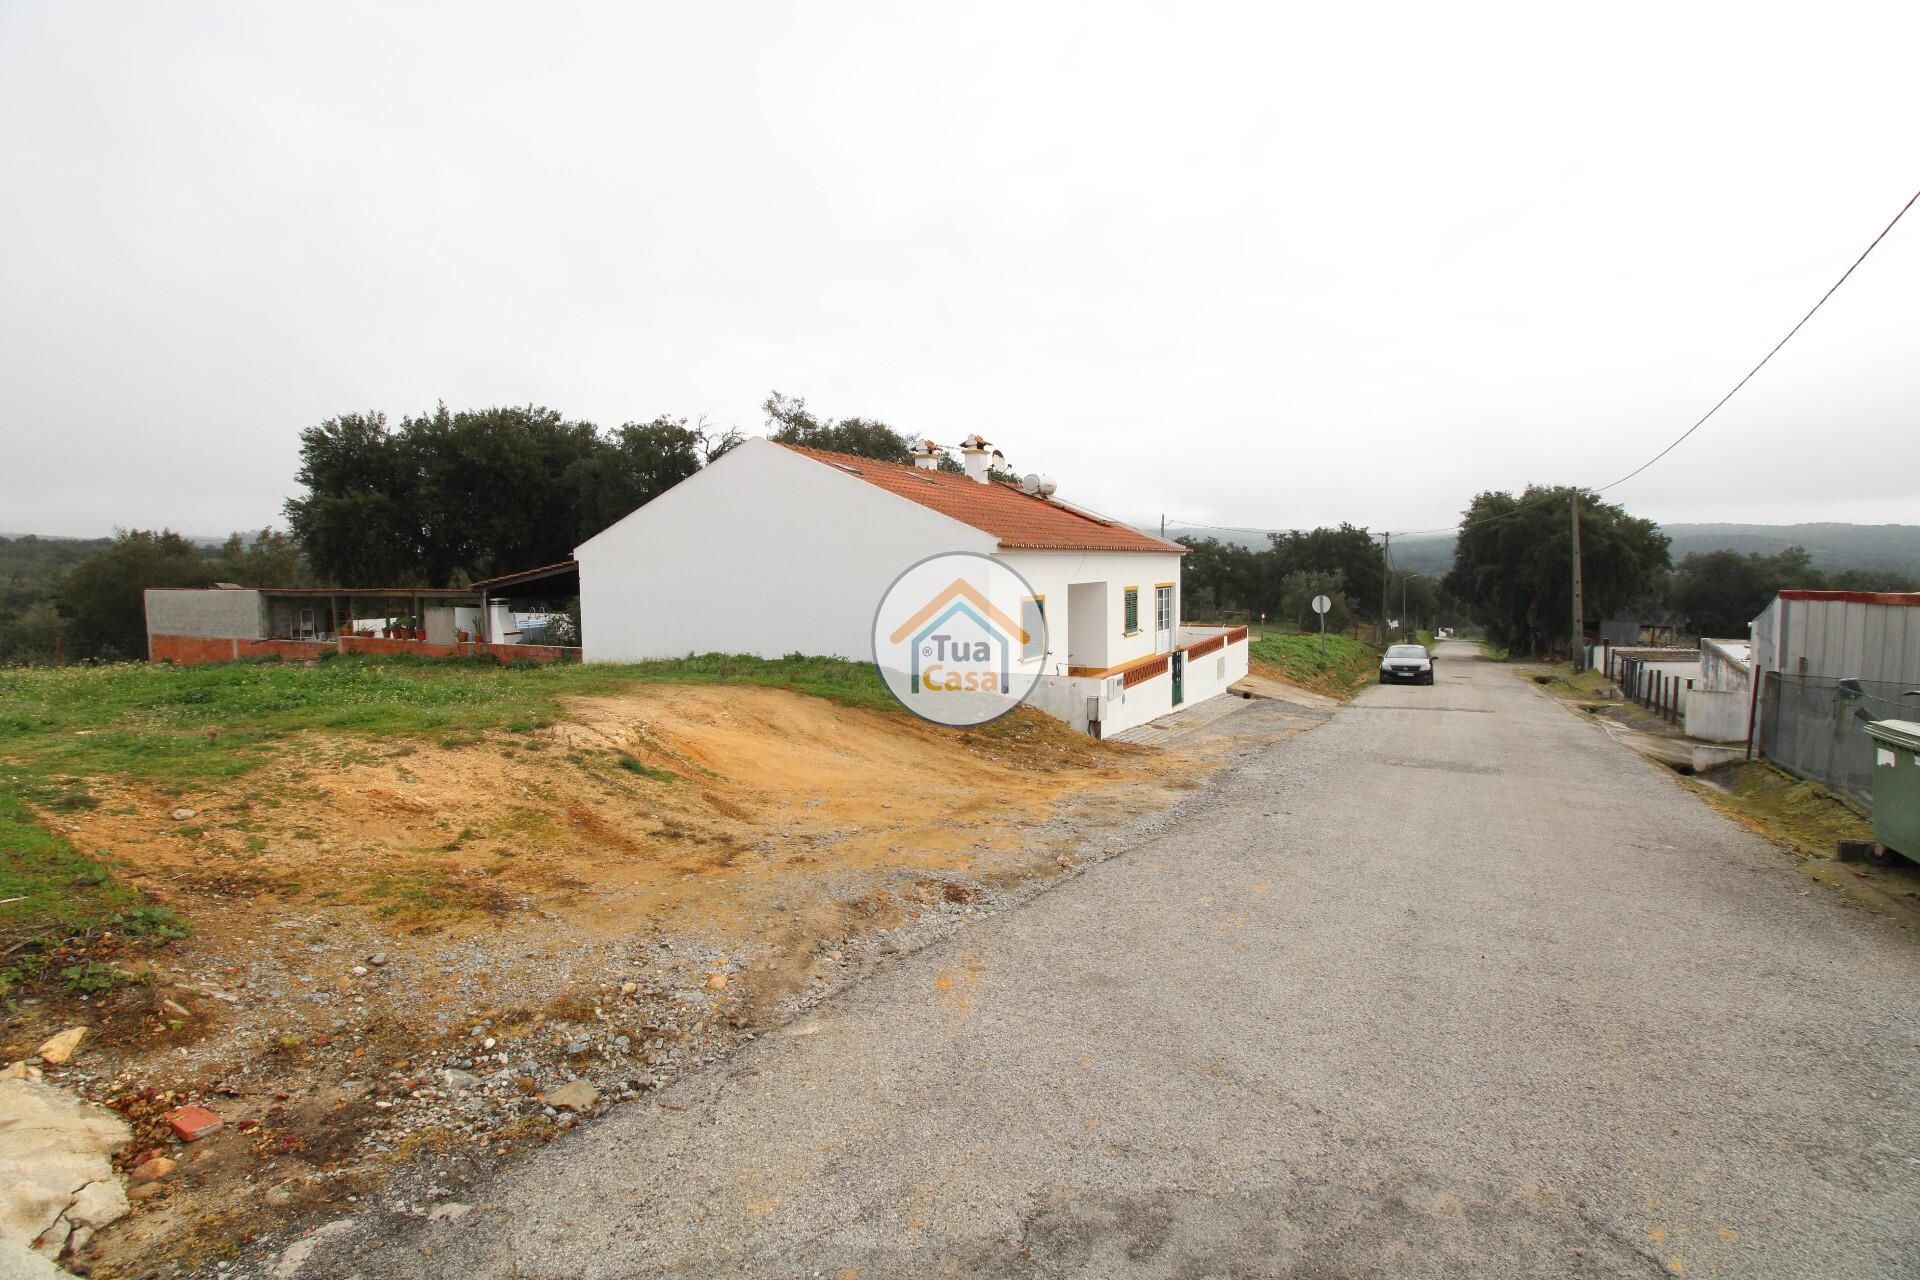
(1577,650)
(1386,580)
(1163,525)
(1403,605)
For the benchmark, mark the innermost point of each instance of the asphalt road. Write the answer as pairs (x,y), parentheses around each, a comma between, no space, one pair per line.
(1451,986)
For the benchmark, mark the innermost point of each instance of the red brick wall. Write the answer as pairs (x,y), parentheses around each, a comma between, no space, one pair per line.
(190,651)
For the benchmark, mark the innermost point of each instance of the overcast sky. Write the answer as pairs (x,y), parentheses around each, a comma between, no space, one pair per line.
(1273,265)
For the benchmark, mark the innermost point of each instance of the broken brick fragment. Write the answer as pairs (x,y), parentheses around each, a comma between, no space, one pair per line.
(192,1123)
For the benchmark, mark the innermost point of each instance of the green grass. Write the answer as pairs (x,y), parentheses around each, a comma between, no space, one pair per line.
(1559,678)
(633,765)
(62,894)
(1348,666)
(1805,814)
(166,724)
(171,727)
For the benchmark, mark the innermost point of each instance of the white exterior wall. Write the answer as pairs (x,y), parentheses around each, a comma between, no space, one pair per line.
(1210,674)
(1716,710)
(1051,573)
(770,552)
(1065,697)
(766,552)
(1717,715)
(1723,665)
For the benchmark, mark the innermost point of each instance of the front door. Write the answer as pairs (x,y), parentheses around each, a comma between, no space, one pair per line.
(1162,619)
(1179,678)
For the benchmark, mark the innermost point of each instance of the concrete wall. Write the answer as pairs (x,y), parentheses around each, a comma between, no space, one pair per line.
(1124,707)
(766,552)
(1716,715)
(1724,666)
(206,613)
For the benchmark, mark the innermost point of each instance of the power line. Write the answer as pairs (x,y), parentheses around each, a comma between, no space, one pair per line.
(1770,355)
(1677,440)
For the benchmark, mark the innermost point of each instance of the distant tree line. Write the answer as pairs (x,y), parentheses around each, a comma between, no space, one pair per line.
(789,421)
(1717,593)
(438,499)
(445,498)
(1280,580)
(455,496)
(452,497)
(85,600)
(1513,565)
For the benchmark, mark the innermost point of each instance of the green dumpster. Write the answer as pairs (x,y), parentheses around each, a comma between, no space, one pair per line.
(1896,785)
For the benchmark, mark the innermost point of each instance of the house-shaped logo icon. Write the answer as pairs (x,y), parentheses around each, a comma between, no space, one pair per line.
(959,638)
(995,638)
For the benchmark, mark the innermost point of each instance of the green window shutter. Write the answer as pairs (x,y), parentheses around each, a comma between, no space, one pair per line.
(1033,621)
(1133,609)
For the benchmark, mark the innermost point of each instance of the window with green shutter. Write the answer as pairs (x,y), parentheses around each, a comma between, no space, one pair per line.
(1033,621)
(1133,611)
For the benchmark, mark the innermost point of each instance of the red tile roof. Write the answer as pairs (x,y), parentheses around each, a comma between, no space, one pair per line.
(1021,521)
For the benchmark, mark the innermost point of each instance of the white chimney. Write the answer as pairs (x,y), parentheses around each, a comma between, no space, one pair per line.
(973,455)
(926,455)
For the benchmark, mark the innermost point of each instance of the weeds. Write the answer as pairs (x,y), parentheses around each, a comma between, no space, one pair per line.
(1348,666)
(633,765)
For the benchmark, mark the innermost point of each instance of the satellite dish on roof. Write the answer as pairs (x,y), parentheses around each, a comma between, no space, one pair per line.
(1047,486)
(1030,483)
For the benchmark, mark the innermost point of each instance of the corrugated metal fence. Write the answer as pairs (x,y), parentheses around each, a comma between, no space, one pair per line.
(1813,727)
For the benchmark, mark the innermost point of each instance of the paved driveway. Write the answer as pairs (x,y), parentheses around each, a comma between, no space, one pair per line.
(1451,986)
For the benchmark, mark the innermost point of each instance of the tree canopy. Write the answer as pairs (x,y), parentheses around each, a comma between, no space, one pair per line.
(791,422)
(1281,579)
(103,598)
(457,496)
(1513,564)
(1718,593)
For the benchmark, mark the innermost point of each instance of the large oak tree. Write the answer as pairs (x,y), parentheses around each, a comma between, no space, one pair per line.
(1513,564)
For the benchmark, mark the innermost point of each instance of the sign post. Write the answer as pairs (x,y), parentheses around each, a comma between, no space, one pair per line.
(1320,606)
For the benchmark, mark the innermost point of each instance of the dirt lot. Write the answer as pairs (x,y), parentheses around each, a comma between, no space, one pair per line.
(403,949)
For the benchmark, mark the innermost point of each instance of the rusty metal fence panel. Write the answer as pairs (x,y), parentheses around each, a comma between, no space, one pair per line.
(1814,727)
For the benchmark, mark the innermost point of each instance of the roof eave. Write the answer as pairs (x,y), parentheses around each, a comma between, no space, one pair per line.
(1171,549)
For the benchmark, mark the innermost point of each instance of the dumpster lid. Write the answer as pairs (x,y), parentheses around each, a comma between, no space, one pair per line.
(1898,733)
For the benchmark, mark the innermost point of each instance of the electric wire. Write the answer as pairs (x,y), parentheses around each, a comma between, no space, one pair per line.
(1674,444)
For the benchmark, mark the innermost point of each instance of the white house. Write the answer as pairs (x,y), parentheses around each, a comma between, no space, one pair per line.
(776,549)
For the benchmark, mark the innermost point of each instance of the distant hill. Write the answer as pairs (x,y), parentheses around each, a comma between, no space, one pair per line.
(28,564)
(1891,547)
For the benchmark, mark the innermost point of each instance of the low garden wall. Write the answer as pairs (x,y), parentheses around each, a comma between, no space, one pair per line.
(193,650)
